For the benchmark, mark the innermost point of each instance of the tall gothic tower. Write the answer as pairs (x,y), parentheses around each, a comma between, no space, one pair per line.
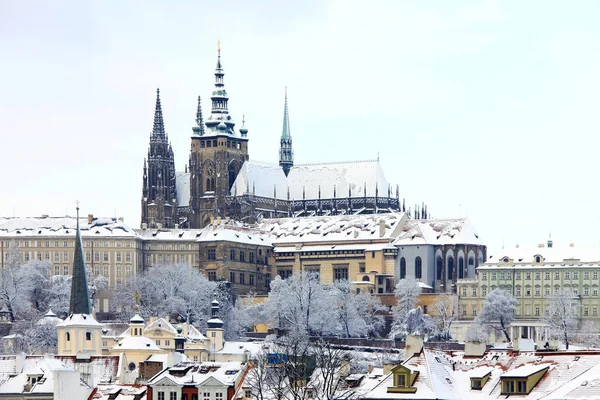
(286,154)
(159,196)
(216,157)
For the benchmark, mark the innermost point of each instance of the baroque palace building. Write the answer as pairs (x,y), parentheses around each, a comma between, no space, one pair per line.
(221,181)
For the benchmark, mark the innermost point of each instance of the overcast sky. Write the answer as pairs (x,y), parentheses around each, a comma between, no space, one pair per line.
(488,109)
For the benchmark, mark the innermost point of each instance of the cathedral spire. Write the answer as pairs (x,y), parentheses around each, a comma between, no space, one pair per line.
(286,154)
(158,130)
(199,118)
(80,296)
(219,120)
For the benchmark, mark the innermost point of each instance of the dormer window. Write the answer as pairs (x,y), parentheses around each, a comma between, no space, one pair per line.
(538,259)
(404,379)
(505,260)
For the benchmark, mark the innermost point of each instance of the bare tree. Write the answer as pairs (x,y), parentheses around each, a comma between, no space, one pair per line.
(562,315)
(332,364)
(445,312)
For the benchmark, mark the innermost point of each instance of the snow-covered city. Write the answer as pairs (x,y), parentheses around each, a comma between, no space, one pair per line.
(370,257)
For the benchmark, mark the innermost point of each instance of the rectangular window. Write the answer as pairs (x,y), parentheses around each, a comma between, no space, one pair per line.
(586,291)
(119,270)
(65,270)
(537,276)
(242,256)
(47,243)
(527,309)
(65,244)
(340,274)
(518,276)
(528,291)
(219,395)
(57,270)
(285,273)
(547,275)
(575,275)
(537,291)
(594,292)
(56,243)
(206,395)
(537,311)
(242,278)
(128,257)
(509,275)
(232,254)
(557,275)
(567,275)
(474,292)
(586,275)
(251,278)
(128,270)
(173,396)
(594,311)
(167,342)
(521,387)
(361,267)
(212,275)
(464,292)
(251,256)
(56,256)
(484,291)
(88,256)
(65,256)
(474,312)
(464,311)
(528,276)
(501,276)
(232,276)
(119,257)
(586,311)
(158,342)
(595,275)
(518,291)
(484,276)
(161,395)
(547,291)
(212,254)
(493,276)
(105,256)
(96,256)
(105,271)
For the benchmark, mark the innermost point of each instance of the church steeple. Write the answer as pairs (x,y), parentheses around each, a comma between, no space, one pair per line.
(199,128)
(80,295)
(158,130)
(219,121)
(159,193)
(286,154)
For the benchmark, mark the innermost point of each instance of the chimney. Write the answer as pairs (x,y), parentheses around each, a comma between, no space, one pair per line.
(121,219)
(90,219)
(176,226)
(144,226)
(355,234)
(369,368)
(541,245)
(414,345)
(571,244)
(474,349)
(381,228)
(159,226)
(517,246)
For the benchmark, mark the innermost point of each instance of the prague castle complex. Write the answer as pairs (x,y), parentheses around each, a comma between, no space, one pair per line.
(221,181)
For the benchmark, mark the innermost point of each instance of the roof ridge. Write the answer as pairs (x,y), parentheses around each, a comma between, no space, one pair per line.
(337,162)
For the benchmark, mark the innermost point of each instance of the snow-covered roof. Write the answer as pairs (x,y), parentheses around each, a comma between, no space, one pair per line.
(550,255)
(64,227)
(79,320)
(241,347)
(119,392)
(165,235)
(182,187)
(365,227)
(136,343)
(262,178)
(305,181)
(49,319)
(344,175)
(224,372)
(525,370)
(438,232)
(231,231)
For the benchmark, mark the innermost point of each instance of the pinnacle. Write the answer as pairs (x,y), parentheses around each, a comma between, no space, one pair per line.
(80,297)
(159,127)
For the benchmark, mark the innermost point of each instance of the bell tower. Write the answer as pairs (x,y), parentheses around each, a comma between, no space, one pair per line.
(217,155)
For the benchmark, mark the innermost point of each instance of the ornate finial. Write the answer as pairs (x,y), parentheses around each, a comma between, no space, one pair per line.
(243,119)
(77,207)
(219,47)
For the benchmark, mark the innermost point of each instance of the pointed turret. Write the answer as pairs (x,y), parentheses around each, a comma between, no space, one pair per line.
(220,113)
(286,154)
(199,128)
(158,130)
(80,295)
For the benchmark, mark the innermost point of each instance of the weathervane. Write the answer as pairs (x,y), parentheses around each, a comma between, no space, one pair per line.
(219,47)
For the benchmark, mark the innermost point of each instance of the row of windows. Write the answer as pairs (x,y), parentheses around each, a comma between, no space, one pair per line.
(68,243)
(96,270)
(418,268)
(537,275)
(105,256)
(215,143)
(462,272)
(527,290)
(241,278)
(240,255)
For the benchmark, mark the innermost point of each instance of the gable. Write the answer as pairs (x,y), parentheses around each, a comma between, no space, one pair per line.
(211,381)
(165,381)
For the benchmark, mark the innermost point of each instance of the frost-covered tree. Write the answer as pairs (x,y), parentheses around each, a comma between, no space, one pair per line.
(407,297)
(165,290)
(587,335)
(21,287)
(373,312)
(498,312)
(445,312)
(476,333)
(59,294)
(301,303)
(562,315)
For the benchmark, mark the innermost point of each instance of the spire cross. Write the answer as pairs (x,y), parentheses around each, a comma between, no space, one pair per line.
(219,47)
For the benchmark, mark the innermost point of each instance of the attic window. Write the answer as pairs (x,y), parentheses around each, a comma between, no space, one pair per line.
(538,259)
(438,359)
(505,259)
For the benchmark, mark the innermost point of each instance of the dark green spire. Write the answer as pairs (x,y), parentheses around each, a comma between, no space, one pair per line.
(286,154)
(80,296)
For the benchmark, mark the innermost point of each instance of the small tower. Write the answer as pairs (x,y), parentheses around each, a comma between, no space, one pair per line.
(286,153)
(136,326)
(79,332)
(214,333)
(179,339)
